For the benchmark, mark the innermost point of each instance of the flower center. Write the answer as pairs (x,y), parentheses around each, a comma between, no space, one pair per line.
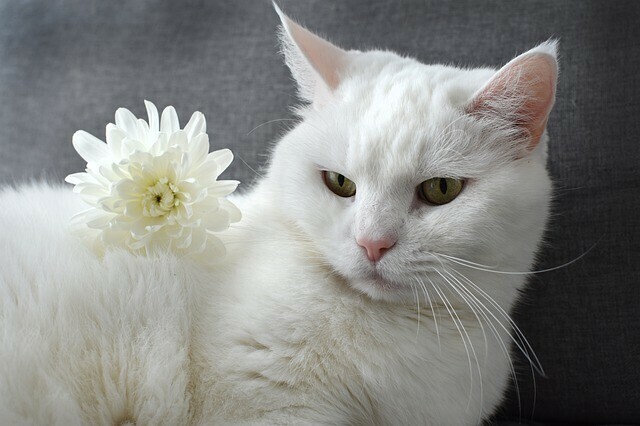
(160,198)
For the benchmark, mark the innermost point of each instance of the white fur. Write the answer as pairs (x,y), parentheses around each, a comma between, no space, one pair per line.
(87,340)
(297,326)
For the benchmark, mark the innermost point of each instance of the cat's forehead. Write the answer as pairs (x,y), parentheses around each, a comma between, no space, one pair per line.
(403,118)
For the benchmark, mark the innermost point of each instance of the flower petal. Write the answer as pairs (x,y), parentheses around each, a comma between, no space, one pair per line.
(209,203)
(199,148)
(142,130)
(140,228)
(111,173)
(178,139)
(122,223)
(222,188)
(131,145)
(209,170)
(79,178)
(154,228)
(152,113)
(197,124)
(234,212)
(223,157)
(111,205)
(133,208)
(128,188)
(199,240)
(216,221)
(185,214)
(185,239)
(81,218)
(92,149)
(90,193)
(126,121)
(174,230)
(100,221)
(161,144)
(115,135)
(191,191)
(169,120)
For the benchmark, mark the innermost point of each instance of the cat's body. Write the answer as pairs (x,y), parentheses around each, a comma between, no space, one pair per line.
(272,337)
(310,319)
(294,341)
(87,340)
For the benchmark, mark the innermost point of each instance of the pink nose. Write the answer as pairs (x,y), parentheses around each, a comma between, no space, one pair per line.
(376,248)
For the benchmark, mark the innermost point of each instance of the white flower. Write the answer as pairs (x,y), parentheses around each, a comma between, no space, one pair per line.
(153,186)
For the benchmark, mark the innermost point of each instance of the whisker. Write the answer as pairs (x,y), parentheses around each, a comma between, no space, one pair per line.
(529,353)
(521,342)
(415,291)
(449,257)
(269,122)
(519,334)
(248,166)
(435,320)
(470,342)
(471,265)
(456,321)
(483,309)
(458,289)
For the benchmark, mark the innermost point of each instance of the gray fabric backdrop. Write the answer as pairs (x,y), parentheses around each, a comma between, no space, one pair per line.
(68,64)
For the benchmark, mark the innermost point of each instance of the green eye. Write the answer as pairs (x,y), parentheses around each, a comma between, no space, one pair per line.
(440,191)
(338,184)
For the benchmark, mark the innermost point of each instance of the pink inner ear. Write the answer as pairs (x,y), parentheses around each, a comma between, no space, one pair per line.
(325,58)
(524,91)
(315,63)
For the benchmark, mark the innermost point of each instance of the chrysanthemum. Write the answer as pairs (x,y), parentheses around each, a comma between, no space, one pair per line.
(153,186)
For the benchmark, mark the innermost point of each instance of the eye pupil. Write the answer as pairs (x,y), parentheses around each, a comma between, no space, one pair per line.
(340,180)
(443,185)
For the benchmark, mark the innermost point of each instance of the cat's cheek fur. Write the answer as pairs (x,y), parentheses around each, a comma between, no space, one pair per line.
(299,190)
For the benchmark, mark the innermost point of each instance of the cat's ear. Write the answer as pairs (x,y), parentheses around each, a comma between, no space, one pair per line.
(315,63)
(522,93)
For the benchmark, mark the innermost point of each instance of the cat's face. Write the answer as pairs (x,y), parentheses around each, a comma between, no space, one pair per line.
(389,125)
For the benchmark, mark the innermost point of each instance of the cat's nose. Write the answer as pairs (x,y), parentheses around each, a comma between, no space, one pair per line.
(376,248)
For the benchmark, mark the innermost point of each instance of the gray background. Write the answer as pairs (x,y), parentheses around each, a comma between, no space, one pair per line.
(68,64)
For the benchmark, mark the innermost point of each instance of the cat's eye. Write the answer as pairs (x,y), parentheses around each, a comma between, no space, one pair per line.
(438,191)
(339,184)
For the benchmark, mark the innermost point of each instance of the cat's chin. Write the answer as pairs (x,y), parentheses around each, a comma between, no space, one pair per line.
(378,288)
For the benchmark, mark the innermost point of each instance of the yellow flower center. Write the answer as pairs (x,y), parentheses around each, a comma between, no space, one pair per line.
(160,198)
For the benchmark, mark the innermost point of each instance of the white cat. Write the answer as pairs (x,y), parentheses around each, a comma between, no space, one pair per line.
(367,282)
